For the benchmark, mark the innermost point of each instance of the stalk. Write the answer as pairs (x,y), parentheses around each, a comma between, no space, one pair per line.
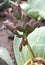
(30,52)
(31,55)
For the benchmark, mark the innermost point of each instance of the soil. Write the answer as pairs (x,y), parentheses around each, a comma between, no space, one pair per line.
(6,43)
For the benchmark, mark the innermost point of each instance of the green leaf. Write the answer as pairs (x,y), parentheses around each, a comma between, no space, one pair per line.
(5,56)
(33,14)
(36,40)
(30,12)
(42,14)
(25,6)
(37,4)
(21,57)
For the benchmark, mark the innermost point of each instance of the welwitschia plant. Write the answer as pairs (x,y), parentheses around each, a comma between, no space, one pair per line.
(29,47)
(36,40)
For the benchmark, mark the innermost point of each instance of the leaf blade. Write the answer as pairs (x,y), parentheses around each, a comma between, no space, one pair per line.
(5,56)
(22,56)
(37,41)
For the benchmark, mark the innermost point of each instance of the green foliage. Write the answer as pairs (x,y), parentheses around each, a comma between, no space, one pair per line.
(38,5)
(5,56)
(22,56)
(33,14)
(35,6)
(37,42)
(29,11)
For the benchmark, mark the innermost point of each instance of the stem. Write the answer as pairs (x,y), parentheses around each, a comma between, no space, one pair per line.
(31,55)
(30,52)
